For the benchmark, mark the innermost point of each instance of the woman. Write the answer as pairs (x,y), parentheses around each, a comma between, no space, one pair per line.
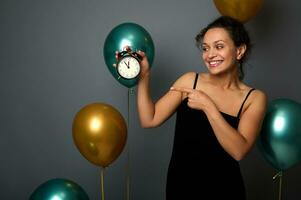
(218,116)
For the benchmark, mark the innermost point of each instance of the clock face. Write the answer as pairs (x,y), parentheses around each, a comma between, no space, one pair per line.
(128,67)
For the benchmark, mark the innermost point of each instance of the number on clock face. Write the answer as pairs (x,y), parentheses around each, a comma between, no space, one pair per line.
(128,67)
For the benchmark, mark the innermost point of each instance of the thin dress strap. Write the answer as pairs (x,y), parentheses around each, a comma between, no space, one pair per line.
(195,80)
(242,105)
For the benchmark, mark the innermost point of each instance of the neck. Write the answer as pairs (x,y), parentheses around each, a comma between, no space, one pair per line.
(225,80)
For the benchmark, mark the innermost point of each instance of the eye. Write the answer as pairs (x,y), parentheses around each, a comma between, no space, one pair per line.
(219,46)
(204,48)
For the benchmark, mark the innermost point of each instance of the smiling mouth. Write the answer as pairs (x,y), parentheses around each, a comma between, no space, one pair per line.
(215,63)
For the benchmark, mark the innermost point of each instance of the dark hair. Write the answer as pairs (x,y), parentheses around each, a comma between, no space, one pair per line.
(237,32)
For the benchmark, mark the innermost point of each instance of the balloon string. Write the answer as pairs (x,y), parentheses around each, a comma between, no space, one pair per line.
(279,175)
(102,183)
(130,91)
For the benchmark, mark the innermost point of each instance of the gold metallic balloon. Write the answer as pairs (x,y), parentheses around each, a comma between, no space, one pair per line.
(242,10)
(100,133)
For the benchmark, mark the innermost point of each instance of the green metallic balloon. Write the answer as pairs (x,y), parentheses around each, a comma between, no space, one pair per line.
(59,189)
(127,34)
(280,137)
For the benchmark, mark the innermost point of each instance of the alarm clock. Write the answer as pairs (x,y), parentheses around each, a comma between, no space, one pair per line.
(128,64)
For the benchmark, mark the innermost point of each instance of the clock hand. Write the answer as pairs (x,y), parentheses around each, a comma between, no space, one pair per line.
(127,65)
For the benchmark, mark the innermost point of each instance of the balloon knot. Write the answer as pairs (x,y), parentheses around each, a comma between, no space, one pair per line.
(278,175)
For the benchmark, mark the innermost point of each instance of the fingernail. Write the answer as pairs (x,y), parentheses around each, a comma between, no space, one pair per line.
(172,88)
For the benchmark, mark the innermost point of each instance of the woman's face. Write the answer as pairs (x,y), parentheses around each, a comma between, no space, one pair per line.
(219,52)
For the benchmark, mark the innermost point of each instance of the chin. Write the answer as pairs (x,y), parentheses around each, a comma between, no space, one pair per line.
(215,70)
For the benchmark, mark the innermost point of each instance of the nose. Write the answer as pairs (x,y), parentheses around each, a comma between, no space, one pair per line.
(211,53)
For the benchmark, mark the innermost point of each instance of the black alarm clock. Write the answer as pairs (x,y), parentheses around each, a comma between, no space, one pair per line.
(128,63)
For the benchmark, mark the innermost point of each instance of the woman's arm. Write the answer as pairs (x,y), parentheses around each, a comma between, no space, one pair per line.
(239,142)
(153,114)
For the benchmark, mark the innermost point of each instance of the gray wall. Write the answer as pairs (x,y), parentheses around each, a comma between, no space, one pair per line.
(51,65)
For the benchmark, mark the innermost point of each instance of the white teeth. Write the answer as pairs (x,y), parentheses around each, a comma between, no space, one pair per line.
(214,63)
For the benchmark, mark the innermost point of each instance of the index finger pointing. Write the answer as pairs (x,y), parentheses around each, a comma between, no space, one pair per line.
(181,89)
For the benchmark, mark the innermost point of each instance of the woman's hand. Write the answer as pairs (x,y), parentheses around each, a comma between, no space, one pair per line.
(197,99)
(143,64)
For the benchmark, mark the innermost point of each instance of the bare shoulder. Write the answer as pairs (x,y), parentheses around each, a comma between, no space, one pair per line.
(258,100)
(185,80)
(259,95)
(256,95)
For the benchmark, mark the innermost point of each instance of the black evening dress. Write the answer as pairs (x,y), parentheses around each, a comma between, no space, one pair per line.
(199,167)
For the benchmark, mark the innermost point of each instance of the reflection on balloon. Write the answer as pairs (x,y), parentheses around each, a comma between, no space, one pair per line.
(59,189)
(280,137)
(242,10)
(100,133)
(127,34)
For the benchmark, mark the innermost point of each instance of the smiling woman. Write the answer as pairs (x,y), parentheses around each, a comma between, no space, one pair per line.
(218,116)
(227,34)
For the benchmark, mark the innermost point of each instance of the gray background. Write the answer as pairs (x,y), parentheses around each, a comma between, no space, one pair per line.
(51,65)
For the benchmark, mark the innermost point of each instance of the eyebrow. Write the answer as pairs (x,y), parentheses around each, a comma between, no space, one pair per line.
(214,42)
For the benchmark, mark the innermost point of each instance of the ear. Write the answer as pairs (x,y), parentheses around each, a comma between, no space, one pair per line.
(240,51)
